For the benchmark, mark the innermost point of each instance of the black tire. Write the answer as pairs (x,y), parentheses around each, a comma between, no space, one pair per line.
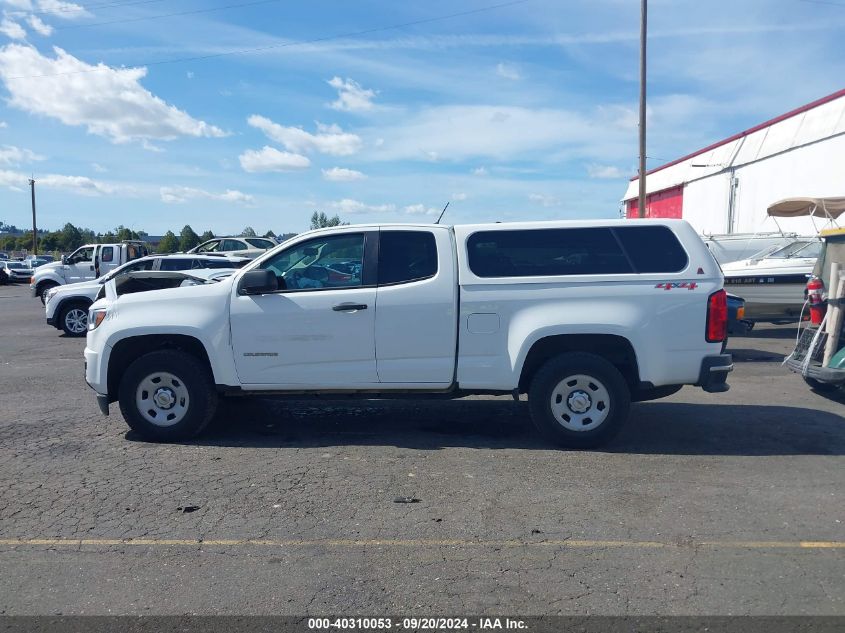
(190,376)
(611,391)
(43,287)
(821,387)
(73,319)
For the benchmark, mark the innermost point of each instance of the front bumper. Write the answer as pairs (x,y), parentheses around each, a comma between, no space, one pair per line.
(713,377)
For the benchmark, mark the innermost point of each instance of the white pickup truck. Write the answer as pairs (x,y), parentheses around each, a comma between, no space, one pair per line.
(84,264)
(584,317)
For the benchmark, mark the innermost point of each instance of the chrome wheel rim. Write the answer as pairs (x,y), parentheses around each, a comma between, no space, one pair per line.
(580,403)
(162,399)
(76,320)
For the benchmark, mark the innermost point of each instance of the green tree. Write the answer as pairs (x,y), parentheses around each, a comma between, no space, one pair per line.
(122,233)
(169,243)
(188,238)
(70,238)
(208,235)
(269,234)
(248,232)
(320,220)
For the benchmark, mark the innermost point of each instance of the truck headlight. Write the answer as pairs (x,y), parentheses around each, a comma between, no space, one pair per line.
(95,317)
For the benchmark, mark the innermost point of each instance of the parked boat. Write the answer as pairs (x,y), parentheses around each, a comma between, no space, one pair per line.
(733,247)
(772,282)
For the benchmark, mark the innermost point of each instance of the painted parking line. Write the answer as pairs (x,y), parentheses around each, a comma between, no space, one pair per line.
(338,543)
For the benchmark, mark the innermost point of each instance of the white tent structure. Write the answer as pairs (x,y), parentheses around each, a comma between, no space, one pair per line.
(728,186)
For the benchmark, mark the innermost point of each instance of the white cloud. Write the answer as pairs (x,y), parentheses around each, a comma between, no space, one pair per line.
(348,205)
(62,9)
(351,97)
(98,168)
(26,5)
(81,185)
(11,155)
(3,125)
(39,26)
(109,102)
(176,195)
(508,71)
(189,74)
(77,184)
(341,174)
(270,159)
(421,209)
(330,139)
(459,196)
(505,133)
(12,179)
(480,171)
(12,29)
(605,171)
(544,200)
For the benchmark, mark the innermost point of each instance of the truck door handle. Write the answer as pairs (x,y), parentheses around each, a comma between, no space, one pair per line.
(349,307)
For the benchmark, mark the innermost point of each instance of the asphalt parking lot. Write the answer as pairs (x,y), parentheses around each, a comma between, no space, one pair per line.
(705,504)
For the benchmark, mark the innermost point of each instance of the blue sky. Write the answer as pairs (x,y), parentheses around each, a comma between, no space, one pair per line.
(524,111)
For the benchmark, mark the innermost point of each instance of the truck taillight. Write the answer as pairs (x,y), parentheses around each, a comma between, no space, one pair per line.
(717,317)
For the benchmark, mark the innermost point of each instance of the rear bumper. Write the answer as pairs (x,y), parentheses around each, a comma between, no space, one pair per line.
(713,377)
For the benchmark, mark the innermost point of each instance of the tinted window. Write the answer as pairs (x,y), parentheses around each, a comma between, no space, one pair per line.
(233,245)
(406,256)
(542,252)
(320,263)
(209,247)
(258,242)
(652,249)
(107,254)
(177,263)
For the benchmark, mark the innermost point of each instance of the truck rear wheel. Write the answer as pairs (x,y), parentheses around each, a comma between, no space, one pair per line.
(578,400)
(167,395)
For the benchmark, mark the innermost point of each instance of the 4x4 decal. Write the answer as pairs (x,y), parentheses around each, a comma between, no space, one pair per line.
(668,285)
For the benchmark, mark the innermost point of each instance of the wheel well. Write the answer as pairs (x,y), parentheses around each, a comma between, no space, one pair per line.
(71,302)
(126,351)
(616,349)
(45,283)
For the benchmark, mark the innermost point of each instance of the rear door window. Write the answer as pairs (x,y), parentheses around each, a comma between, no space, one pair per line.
(546,252)
(652,249)
(406,256)
(107,254)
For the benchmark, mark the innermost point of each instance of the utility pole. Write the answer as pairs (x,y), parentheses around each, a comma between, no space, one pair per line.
(34,230)
(643,31)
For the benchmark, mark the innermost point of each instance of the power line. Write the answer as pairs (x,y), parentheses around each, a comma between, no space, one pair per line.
(79,8)
(315,40)
(165,15)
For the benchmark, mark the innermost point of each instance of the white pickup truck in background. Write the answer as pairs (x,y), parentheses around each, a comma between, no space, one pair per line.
(84,264)
(584,317)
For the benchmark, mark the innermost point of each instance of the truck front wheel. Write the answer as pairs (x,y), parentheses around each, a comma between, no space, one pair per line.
(167,395)
(578,400)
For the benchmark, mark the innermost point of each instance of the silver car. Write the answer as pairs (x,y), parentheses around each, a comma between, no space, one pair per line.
(16,271)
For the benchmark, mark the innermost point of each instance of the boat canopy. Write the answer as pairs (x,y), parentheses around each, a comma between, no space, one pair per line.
(829,208)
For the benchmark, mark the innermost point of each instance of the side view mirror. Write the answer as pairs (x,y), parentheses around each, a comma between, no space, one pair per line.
(256,282)
(64,260)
